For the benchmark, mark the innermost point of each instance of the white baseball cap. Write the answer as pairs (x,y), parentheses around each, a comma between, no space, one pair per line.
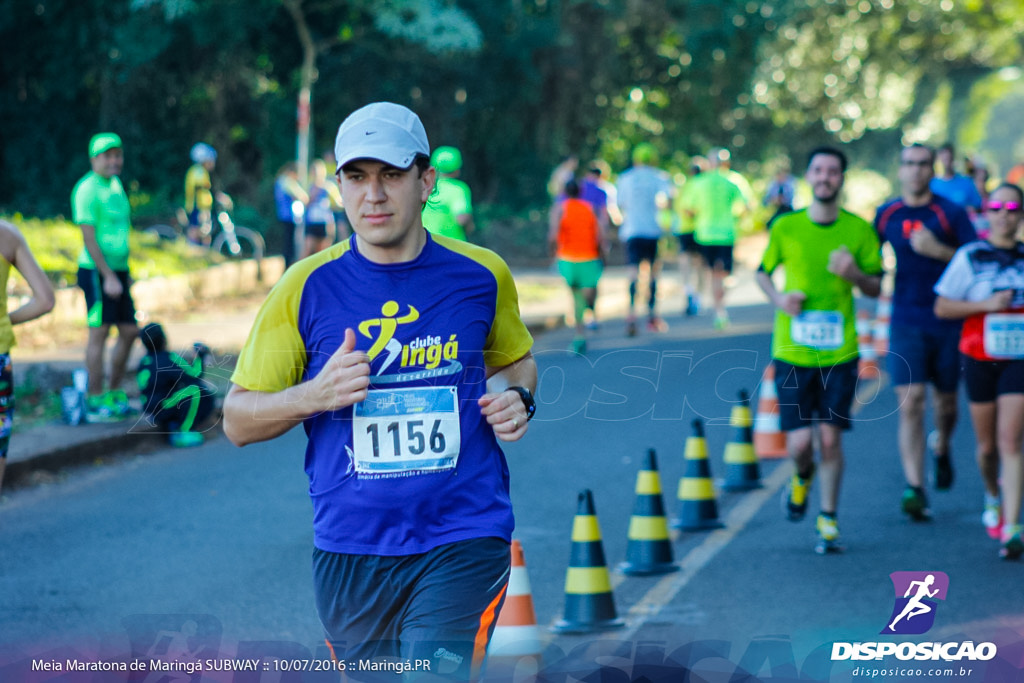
(382,131)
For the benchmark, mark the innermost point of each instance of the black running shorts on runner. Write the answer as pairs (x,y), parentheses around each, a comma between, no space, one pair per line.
(815,395)
(436,610)
(988,380)
(688,243)
(717,256)
(640,249)
(101,309)
(918,355)
(316,230)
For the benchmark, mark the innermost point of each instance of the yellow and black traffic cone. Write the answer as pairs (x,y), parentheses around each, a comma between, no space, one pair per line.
(742,472)
(649,550)
(698,509)
(589,604)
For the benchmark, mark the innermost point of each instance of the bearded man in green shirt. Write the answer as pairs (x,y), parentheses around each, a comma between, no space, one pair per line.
(825,252)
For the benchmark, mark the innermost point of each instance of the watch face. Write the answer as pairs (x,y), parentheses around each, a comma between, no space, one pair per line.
(528,402)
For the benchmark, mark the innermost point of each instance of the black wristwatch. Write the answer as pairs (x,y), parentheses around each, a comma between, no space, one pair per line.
(531,405)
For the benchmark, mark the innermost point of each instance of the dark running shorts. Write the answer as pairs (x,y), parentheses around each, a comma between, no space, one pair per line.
(815,395)
(640,249)
(688,243)
(917,355)
(988,380)
(715,254)
(439,606)
(101,309)
(316,230)
(6,403)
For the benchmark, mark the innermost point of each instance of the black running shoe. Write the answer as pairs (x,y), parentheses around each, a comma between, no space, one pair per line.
(943,472)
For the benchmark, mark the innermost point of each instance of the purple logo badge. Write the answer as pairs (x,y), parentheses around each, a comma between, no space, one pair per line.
(916,595)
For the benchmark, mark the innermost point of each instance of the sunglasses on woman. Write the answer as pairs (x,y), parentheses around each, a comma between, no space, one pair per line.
(1009,206)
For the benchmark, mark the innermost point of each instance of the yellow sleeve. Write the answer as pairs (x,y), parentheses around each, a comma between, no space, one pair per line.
(274,355)
(509,339)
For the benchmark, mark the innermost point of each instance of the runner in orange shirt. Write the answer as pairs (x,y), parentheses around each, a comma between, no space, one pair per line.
(579,243)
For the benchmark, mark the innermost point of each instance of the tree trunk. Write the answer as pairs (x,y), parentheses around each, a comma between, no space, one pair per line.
(304,115)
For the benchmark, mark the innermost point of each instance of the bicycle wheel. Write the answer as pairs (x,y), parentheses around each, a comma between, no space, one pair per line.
(243,243)
(164,232)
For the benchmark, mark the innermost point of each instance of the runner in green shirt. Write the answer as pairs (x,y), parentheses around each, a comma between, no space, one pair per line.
(713,202)
(449,211)
(691,263)
(100,208)
(825,252)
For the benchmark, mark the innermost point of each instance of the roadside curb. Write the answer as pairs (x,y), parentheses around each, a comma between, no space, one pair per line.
(53,447)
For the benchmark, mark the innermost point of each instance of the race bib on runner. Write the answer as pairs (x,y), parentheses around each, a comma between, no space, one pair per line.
(822,330)
(1004,335)
(404,431)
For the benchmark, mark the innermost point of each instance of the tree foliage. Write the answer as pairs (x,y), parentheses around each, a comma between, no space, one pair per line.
(515,83)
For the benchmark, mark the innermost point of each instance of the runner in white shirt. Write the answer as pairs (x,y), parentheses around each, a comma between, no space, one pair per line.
(984,285)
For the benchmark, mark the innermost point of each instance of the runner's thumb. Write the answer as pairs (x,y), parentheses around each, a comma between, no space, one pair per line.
(349,345)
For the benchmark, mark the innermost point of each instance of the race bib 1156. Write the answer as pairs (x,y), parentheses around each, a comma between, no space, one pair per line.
(403,431)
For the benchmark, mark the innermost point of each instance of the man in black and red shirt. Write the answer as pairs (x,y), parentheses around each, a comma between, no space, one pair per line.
(924,230)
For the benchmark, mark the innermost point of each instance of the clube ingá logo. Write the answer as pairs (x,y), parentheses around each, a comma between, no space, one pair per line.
(916,596)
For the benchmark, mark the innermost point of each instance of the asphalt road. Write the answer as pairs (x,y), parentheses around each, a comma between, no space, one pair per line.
(217,539)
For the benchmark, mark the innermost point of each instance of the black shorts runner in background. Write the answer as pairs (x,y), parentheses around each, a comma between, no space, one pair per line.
(640,249)
(100,308)
(988,380)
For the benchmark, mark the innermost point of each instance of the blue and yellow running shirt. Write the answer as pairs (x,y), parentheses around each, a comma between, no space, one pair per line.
(415,465)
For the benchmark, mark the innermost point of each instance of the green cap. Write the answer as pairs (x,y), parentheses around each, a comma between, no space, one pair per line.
(101,142)
(645,153)
(446,159)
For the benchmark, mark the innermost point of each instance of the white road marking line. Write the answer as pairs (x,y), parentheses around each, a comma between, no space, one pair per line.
(668,587)
(665,590)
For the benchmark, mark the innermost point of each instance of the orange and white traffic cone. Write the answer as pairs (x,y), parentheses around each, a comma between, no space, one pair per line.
(769,439)
(516,633)
(867,368)
(883,314)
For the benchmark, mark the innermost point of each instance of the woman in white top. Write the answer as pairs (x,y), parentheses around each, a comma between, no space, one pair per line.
(984,285)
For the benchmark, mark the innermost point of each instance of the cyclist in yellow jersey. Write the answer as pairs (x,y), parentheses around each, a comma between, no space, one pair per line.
(15,252)
(199,192)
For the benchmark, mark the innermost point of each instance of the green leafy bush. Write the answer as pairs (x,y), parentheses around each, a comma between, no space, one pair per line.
(57,242)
